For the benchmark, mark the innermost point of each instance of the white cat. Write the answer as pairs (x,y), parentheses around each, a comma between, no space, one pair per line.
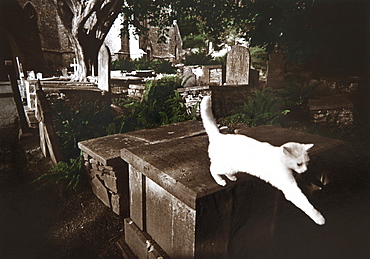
(233,153)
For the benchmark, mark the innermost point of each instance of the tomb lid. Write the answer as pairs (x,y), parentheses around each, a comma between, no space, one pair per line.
(329,103)
(181,166)
(169,132)
(107,149)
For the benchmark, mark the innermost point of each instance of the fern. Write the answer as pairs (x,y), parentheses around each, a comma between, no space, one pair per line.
(263,107)
(160,105)
(70,173)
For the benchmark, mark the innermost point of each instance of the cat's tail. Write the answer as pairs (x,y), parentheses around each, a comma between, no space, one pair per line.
(209,122)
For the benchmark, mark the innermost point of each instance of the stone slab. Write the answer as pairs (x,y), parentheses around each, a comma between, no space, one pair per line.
(107,149)
(140,243)
(329,103)
(100,191)
(166,133)
(182,167)
(237,66)
(137,197)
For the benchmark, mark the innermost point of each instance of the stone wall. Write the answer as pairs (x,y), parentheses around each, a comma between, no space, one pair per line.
(332,103)
(224,98)
(334,110)
(108,182)
(39,37)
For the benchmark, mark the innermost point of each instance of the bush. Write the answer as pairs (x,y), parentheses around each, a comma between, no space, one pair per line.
(159,66)
(71,173)
(86,120)
(263,107)
(161,105)
(298,88)
(259,56)
(195,41)
(297,94)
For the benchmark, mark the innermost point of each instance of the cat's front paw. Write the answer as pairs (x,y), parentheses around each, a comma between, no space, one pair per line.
(221,182)
(231,177)
(319,219)
(219,179)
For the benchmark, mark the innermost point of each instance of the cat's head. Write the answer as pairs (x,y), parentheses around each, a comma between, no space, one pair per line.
(295,156)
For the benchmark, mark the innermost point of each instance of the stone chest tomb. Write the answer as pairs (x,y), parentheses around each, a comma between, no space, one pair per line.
(172,206)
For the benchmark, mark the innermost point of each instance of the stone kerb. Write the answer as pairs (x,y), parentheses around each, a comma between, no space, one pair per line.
(331,103)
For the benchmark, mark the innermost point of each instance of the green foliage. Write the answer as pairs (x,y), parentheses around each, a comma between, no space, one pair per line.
(86,120)
(195,41)
(70,173)
(198,58)
(159,66)
(302,27)
(298,88)
(259,56)
(263,107)
(161,105)
(296,94)
(202,58)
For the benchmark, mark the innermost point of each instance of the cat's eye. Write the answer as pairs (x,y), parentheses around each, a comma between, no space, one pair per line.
(299,164)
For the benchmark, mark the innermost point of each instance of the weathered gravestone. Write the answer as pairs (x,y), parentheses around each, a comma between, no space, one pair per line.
(237,66)
(189,77)
(275,69)
(104,60)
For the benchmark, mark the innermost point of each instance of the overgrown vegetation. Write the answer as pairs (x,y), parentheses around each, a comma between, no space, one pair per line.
(70,174)
(259,56)
(159,66)
(298,88)
(160,105)
(85,120)
(203,58)
(262,107)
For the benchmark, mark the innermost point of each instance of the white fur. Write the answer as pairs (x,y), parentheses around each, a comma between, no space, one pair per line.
(233,153)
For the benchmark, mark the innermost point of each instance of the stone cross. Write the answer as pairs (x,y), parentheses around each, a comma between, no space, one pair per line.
(74,65)
(237,66)
(275,69)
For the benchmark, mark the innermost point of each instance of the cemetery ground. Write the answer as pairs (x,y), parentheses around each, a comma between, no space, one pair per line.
(50,221)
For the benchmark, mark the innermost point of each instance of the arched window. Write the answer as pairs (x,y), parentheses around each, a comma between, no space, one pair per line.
(31,12)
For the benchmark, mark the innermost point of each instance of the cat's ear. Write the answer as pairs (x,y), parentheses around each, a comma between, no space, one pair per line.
(287,151)
(308,146)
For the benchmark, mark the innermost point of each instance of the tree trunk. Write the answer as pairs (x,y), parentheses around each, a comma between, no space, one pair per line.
(87,24)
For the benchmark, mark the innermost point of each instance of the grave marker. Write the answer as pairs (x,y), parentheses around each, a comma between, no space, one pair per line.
(237,66)
(74,65)
(275,69)
(104,60)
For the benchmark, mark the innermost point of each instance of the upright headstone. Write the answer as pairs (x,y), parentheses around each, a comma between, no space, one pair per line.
(275,69)
(104,60)
(237,66)
(189,78)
